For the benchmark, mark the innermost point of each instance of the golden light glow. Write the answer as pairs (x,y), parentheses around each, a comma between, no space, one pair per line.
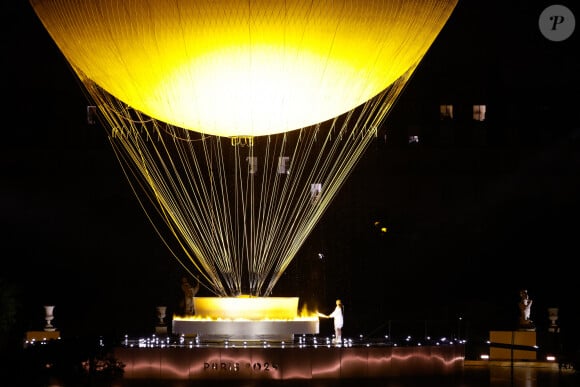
(250,68)
(251,308)
(248,308)
(203,99)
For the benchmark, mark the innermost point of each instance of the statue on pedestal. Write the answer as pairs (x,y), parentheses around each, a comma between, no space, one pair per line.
(525,305)
(189,291)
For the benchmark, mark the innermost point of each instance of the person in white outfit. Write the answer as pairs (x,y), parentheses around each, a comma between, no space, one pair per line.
(338,316)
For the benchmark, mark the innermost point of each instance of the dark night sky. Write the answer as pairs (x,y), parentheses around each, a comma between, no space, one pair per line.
(469,223)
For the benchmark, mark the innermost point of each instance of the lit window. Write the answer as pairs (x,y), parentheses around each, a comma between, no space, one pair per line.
(91,114)
(315,192)
(446,111)
(283,167)
(252,164)
(413,134)
(479,112)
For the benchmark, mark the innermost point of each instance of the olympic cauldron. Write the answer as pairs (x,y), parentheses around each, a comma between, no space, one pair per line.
(245,318)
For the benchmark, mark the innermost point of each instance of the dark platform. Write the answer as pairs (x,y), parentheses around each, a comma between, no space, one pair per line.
(277,361)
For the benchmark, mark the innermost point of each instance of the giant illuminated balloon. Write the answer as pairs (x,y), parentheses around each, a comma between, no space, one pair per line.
(236,122)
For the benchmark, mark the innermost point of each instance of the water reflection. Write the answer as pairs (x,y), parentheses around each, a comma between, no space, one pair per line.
(482,375)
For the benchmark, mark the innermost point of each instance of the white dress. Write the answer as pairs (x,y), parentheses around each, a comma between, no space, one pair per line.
(337,316)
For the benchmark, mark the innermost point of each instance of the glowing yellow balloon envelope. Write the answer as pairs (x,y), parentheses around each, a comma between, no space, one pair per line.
(166,73)
(243,68)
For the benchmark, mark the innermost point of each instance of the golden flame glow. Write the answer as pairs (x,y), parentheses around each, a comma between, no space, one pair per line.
(248,308)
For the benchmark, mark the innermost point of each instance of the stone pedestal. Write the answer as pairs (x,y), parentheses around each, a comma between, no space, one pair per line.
(161,327)
(512,345)
(42,335)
